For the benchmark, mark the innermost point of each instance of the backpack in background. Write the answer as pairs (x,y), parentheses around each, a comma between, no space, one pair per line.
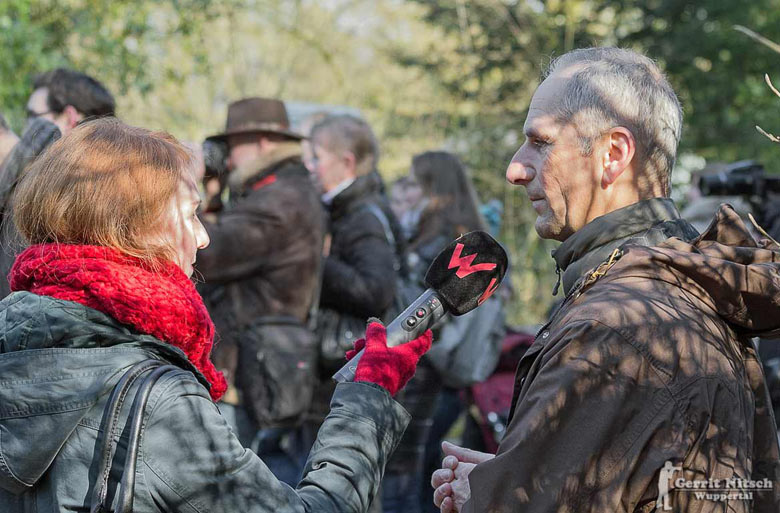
(468,346)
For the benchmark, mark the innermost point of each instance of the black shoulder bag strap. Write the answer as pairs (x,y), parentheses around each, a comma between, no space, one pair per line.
(101,503)
(385,222)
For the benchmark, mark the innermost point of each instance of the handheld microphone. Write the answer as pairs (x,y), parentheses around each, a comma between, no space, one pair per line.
(462,276)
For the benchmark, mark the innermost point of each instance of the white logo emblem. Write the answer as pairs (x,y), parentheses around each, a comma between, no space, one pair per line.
(665,477)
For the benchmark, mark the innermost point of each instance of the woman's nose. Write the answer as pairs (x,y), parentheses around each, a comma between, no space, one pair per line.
(202,237)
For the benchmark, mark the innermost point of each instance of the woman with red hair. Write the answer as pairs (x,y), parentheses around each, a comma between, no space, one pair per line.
(110,215)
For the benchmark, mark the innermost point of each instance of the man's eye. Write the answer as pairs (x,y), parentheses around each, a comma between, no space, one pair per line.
(539,143)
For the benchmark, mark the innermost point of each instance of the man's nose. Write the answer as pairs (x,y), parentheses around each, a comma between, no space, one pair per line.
(518,173)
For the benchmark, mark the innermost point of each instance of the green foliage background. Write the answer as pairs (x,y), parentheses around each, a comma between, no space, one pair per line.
(427,74)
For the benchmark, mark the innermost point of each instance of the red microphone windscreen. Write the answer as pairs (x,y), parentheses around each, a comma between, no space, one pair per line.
(467,271)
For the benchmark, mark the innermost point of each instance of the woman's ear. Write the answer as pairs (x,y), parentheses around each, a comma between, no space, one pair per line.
(350,163)
(72,116)
(620,151)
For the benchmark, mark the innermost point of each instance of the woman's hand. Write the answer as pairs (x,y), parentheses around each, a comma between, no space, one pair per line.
(388,367)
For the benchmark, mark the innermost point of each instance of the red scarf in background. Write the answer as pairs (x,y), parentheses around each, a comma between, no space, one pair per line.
(162,303)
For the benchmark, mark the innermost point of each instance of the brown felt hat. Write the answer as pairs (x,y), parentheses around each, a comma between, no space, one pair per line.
(257,115)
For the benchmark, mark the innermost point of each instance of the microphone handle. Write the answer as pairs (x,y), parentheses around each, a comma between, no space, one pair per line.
(424,313)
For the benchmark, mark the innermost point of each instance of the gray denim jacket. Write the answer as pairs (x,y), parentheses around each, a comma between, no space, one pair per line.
(58,363)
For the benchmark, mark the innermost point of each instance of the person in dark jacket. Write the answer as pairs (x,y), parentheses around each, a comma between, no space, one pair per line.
(110,213)
(261,271)
(61,98)
(363,246)
(448,209)
(645,379)
(359,274)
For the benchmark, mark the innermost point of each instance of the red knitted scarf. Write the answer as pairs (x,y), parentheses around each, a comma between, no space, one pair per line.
(161,303)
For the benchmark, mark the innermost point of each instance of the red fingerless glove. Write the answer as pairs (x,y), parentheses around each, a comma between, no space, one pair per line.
(389,367)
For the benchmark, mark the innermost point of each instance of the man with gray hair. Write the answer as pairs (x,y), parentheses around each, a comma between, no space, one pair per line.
(649,359)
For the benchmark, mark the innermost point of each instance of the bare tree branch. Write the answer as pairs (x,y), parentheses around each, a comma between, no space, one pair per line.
(769,83)
(758,37)
(771,137)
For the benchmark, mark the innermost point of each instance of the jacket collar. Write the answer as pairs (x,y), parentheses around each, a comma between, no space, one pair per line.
(593,243)
(263,165)
(357,193)
(327,197)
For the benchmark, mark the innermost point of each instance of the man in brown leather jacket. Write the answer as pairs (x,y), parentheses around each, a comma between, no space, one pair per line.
(262,266)
(643,392)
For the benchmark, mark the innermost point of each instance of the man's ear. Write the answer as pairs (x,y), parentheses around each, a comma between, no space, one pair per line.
(620,150)
(72,116)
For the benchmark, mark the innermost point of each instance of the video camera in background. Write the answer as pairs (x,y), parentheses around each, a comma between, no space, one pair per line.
(749,179)
(215,154)
(744,178)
